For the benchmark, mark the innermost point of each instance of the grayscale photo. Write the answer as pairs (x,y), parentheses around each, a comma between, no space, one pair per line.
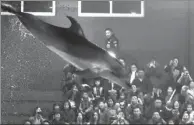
(97,62)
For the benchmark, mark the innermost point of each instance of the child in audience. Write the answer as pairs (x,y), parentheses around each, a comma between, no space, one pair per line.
(68,114)
(79,119)
(37,118)
(86,107)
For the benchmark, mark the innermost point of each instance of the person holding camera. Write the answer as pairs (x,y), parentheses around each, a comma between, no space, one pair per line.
(120,119)
(185,78)
(37,119)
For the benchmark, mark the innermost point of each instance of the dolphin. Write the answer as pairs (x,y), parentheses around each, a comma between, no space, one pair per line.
(72,46)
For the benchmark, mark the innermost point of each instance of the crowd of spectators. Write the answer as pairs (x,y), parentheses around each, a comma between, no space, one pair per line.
(156,96)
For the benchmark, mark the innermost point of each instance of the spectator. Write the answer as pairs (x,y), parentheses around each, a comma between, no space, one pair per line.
(68,114)
(132,74)
(68,70)
(122,101)
(157,119)
(68,82)
(135,102)
(168,97)
(57,119)
(118,107)
(113,91)
(74,97)
(95,119)
(157,93)
(37,118)
(190,112)
(143,83)
(191,118)
(134,92)
(120,119)
(136,117)
(174,71)
(86,107)
(56,109)
(155,73)
(183,96)
(80,118)
(173,64)
(103,114)
(185,78)
(176,112)
(157,106)
(98,92)
(184,119)
(152,69)
(111,110)
(190,92)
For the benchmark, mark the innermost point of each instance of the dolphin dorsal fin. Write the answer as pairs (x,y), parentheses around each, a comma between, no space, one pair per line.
(75,27)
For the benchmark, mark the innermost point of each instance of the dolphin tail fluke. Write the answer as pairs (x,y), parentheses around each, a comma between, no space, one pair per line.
(9,8)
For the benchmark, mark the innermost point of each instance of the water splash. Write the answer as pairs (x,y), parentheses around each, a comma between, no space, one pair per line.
(16,25)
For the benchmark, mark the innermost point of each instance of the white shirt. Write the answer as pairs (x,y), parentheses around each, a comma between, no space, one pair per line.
(133,74)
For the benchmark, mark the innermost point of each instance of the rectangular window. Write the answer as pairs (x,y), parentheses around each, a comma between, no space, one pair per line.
(16,4)
(111,8)
(37,8)
(127,7)
(95,7)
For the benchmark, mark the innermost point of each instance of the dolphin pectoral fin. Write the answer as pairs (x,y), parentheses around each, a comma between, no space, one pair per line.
(109,76)
(75,26)
(87,73)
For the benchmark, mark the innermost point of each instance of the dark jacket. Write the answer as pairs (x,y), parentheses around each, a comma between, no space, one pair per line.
(68,116)
(165,114)
(145,86)
(103,116)
(54,122)
(131,93)
(77,96)
(133,120)
(157,122)
(129,109)
(112,41)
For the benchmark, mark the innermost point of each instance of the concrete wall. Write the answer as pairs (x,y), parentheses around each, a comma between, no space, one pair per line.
(33,70)
(163,30)
(191,36)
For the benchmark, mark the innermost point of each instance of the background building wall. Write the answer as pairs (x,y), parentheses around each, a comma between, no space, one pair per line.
(32,75)
(191,36)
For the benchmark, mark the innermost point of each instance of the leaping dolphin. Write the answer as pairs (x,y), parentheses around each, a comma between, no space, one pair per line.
(72,46)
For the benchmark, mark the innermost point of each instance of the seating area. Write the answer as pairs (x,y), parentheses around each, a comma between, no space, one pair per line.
(98,101)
